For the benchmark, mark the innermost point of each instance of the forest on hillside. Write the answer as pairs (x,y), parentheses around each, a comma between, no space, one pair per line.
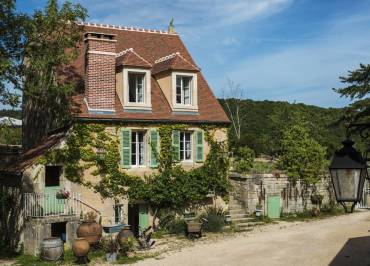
(262,123)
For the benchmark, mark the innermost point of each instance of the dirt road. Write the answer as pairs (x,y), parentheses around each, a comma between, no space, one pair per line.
(343,240)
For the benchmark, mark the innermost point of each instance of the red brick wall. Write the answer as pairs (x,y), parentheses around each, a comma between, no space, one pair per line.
(100,74)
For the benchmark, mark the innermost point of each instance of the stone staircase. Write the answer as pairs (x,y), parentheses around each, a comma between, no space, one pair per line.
(240,219)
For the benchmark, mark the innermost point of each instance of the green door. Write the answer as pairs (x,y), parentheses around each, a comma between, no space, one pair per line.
(273,207)
(52,205)
(143,217)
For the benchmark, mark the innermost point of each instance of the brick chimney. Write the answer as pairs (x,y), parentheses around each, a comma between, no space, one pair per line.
(100,75)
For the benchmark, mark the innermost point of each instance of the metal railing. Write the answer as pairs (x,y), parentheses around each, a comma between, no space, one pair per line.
(48,204)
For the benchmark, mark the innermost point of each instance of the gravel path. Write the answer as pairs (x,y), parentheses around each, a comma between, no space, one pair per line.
(343,240)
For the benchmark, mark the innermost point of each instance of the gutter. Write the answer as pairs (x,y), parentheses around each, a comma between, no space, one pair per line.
(157,121)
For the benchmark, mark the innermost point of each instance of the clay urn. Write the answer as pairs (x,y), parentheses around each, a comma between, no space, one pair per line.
(80,247)
(124,234)
(91,231)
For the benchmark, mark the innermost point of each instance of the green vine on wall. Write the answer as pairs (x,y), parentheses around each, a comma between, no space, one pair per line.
(171,187)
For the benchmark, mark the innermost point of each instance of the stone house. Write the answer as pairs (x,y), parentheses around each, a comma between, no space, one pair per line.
(134,80)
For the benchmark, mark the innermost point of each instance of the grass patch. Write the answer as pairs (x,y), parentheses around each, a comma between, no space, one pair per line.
(69,259)
(127,260)
(325,212)
(262,167)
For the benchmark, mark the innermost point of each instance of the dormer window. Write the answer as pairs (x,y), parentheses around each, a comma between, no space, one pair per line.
(183,89)
(136,83)
(136,90)
(184,92)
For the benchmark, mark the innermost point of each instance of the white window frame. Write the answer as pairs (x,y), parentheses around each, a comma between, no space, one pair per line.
(137,88)
(137,156)
(191,146)
(193,106)
(147,104)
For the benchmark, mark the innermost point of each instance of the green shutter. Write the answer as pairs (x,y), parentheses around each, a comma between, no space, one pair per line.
(154,140)
(176,144)
(199,143)
(126,147)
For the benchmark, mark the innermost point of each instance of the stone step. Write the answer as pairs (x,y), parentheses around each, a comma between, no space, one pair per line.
(249,224)
(239,211)
(235,206)
(241,220)
(239,215)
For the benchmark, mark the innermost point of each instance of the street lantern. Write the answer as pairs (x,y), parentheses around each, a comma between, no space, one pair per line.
(348,171)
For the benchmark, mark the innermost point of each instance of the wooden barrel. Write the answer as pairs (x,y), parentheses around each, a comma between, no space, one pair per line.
(52,249)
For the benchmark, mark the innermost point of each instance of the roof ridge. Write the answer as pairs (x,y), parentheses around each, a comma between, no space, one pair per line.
(132,51)
(124,52)
(173,55)
(117,27)
(167,57)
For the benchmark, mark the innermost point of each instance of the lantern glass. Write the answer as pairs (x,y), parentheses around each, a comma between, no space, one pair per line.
(347,183)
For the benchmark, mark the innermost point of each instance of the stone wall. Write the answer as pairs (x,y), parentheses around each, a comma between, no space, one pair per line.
(251,190)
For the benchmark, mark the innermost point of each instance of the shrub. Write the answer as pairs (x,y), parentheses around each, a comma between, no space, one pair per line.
(215,219)
(176,226)
(244,159)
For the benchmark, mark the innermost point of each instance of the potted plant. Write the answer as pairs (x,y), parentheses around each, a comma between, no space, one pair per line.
(128,246)
(258,210)
(62,194)
(110,247)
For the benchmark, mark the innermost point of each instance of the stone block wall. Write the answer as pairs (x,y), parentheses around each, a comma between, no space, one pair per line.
(251,190)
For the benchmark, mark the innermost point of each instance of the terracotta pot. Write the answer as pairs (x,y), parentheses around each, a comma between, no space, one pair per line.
(91,231)
(80,247)
(124,234)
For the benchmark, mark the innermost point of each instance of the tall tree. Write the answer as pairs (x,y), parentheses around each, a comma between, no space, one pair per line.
(233,96)
(357,90)
(12,41)
(301,157)
(52,38)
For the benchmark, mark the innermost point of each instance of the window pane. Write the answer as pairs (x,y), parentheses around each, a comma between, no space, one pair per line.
(178,89)
(140,88)
(186,88)
(132,87)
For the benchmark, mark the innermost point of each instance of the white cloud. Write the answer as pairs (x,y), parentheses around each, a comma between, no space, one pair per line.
(304,71)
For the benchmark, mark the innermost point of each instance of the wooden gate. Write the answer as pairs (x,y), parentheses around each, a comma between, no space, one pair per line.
(365,201)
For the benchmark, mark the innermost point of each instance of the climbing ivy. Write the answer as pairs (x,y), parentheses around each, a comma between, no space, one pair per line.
(171,187)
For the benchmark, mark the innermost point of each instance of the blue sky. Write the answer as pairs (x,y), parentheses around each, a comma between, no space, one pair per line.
(289,50)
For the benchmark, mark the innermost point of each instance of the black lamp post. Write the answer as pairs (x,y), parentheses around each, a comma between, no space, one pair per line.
(348,171)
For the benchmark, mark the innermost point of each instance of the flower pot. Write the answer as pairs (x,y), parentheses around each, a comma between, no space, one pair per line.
(80,247)
(258,212)
(111,257)
(123,235)
(91,231)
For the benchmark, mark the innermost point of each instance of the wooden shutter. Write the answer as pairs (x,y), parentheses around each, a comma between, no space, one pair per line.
(199,146)
(126,147)
(154,140)
(176,144)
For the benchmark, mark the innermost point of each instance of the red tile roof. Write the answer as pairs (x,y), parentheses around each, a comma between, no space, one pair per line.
(151,46)
(172,62)
(129,57)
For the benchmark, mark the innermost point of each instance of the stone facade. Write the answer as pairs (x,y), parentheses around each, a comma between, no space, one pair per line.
(250,190)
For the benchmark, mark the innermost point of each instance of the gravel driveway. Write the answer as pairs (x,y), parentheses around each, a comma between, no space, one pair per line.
(343,240)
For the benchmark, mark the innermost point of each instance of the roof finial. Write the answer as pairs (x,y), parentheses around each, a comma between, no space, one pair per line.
(171,27)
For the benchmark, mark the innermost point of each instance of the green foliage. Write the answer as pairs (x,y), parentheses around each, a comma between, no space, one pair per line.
(263,122)
(12,43)
(176,226)
(170,188)
(10,135)
(244,159)
(302,157)
(358,89)
(215,217)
